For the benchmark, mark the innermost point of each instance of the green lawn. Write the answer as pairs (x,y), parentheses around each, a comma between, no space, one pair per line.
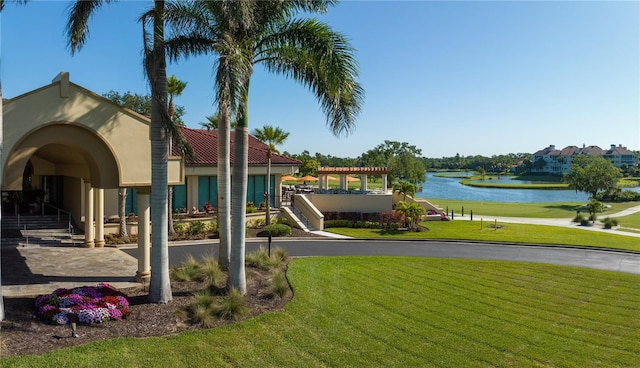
(407,312)
(630,221)
(508,232)
(542,210)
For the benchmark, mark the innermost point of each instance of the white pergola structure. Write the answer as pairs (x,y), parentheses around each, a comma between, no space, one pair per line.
(344,172)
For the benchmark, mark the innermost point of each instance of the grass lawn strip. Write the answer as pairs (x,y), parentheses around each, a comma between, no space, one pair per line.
(403,311)
(509,232)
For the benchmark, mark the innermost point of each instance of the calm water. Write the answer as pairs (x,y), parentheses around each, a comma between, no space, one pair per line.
(450,188)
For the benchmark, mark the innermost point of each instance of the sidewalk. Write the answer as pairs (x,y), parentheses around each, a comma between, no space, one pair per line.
(561,222)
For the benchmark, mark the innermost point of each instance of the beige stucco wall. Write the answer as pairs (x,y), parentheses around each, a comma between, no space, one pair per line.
(91,137)
(351,202)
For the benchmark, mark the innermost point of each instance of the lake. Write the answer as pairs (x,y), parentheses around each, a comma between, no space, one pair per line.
(450,188)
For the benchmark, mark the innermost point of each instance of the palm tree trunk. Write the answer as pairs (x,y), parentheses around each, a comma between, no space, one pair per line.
(1,137)
(223,214)
(121,211)
(237,277)
(160,285)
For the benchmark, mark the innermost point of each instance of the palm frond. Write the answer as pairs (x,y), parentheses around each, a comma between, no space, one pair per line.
(77,24)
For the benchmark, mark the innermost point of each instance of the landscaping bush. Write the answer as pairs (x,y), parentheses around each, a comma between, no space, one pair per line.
(260,258)
(275,230)
(619,196)
(585,222)
(233,306)
(609,222)
(579,218)
(337,223)
(197,228)
(279,285)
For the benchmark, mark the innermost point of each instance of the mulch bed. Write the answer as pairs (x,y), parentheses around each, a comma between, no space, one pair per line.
(23,333)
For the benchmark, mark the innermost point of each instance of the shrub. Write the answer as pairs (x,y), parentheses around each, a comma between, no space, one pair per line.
(337,223)
(609,222)
(585,222)
(209,271)
(203,308)
(256,223)
(191,270)
(275,230)
(233,306)
(579,218)
(279,285)
(261,259)
(251,209)
(188,271)
(197,228)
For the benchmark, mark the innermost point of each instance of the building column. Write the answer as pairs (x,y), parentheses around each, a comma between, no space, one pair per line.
(143,274)
(344,184)
(363,182)
(88,215)
(192,192)
(277,192)
(384,183)
(321,181)
(99,216)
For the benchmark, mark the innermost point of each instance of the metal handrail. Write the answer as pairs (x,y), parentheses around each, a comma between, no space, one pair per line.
(60,210)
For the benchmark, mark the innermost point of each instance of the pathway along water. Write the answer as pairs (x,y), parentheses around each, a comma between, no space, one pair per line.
(450,188)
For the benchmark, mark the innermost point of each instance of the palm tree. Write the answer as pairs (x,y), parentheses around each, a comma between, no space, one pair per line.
(155,68)
(175,87)
(211,123)
(245,33)
(2,3)
(412,213)
(270,136)
(405,188)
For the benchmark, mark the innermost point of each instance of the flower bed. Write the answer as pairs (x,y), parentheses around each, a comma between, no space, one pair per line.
(86,304)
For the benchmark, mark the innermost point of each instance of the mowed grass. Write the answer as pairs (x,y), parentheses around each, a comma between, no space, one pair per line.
(529,210)
(407,312)
(629,221)
(507,232)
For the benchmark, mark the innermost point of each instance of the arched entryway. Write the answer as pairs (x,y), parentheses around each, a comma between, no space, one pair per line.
(68,145)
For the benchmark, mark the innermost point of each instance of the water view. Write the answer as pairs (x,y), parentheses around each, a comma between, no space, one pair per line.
(450,188)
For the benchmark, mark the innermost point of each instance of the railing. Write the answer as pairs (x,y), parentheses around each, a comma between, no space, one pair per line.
(59,211)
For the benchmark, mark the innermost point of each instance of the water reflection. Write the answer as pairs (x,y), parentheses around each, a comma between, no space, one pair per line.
(450,188)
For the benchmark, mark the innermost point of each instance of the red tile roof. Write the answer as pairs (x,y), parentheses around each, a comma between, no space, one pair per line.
(204,144)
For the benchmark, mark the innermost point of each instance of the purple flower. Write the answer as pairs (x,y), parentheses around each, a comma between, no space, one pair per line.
(60,318)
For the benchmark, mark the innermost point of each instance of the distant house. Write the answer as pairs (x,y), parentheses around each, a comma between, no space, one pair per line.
(550,160)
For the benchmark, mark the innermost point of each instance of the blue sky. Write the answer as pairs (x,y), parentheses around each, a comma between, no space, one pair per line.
(475,78)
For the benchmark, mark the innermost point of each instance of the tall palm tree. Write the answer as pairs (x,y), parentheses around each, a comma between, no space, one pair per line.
(2,3)
(155,68)
(249,32)
(211,27)
(175,87)
(271,137)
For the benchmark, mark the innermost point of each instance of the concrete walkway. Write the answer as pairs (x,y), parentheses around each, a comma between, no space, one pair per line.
(562,222)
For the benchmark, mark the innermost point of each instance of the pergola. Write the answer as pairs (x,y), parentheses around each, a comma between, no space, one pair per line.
(343,172)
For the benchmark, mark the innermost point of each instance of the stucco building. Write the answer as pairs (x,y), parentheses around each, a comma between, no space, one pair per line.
(555,161)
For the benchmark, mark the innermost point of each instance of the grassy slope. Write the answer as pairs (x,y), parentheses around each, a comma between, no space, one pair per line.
(399,312)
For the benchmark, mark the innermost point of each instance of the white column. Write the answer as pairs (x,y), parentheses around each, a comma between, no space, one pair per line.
(384,183)
(99,208)
(363,182)
(88,215)
(277,192)
(192,192)
(344,184)
(321,181)
(143,274)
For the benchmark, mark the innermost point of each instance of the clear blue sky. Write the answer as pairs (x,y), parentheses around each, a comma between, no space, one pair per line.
(448,77)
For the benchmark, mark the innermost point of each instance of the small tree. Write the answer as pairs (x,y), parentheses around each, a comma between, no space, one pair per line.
(412,213)
(591,174)
(594,206)
(405,188)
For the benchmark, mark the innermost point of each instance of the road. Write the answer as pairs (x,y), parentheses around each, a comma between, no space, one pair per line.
(612,260)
